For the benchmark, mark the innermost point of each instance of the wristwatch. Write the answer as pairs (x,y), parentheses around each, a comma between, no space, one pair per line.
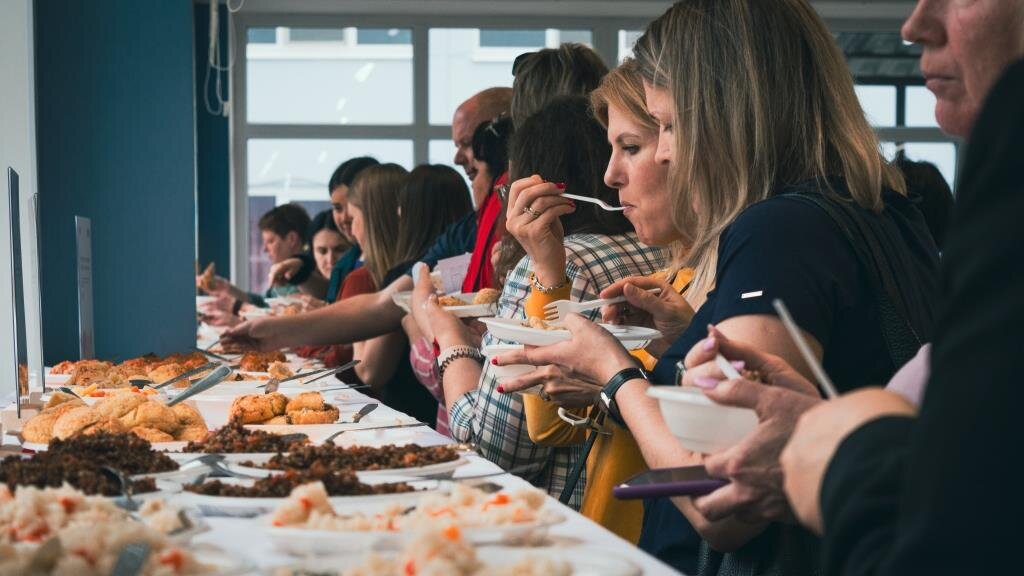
(608,392)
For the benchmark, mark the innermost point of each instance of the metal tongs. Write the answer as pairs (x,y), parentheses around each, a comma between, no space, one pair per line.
(209,381)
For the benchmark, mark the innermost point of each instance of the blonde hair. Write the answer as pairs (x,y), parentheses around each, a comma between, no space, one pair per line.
(762,99)
(376,193)
(623,88)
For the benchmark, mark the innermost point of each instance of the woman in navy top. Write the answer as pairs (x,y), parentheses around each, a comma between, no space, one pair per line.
(765,139)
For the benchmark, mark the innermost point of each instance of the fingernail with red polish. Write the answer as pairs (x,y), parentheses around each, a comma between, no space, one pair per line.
(560,185)
(494,361)
(709,343)
(501,389)
(705,382)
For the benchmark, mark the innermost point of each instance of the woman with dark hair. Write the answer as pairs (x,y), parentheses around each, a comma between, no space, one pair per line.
(560,143)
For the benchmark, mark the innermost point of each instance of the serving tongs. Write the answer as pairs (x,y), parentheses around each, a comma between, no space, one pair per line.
(209,381)
(184,375)
(272,385)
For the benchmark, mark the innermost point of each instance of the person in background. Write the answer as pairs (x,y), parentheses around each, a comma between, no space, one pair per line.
(372,315)
(299,269)
(490,157)
(396,215)
(283,231)
(925,181)
(327,245)
(561,143)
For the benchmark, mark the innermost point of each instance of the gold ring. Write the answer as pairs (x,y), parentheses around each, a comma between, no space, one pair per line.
(531,211)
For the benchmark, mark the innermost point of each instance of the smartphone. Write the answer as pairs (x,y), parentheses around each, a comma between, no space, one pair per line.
(684,481)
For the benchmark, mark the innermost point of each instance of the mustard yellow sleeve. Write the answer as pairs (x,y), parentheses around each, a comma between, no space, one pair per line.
(546,428)
(537,300)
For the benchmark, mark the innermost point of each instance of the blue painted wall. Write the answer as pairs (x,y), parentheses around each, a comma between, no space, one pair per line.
(115,138)
(213,165)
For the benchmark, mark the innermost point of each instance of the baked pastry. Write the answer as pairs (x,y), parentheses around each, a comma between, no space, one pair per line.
(152,415)
(65,367)
(87,372)
(279,370)
(84,420)
(252,409)
(487,296)
(188,415)
(39,428)
(58,398)
(192,433)
(152,434)
(277,421)
(118,405)
(259,361)
(305,401)
(328,415)
(450,301)
(279,402)
(166,371)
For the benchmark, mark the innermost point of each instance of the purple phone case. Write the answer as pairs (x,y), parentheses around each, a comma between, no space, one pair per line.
(680,488)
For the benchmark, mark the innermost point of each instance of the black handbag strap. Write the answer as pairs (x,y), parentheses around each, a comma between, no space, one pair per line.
(875,244)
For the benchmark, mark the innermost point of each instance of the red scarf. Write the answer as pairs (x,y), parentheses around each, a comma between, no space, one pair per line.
(490,227)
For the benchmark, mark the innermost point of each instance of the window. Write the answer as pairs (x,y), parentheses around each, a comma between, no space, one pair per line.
(512,38)
(879,104)
(627,38)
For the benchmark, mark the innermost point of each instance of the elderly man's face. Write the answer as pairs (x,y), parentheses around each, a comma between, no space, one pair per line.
(463,125)
(967,45)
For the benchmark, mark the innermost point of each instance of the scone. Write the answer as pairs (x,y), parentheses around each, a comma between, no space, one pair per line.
(192,433)
(165,372)
(118,405)
(276,421)
(188,415)
(279,370)
(328,415)
(305,401)
(278,402)
(39,428)
(487,296)
(88,372)
(152,434)
(251,409)
(84,420)
(152,415)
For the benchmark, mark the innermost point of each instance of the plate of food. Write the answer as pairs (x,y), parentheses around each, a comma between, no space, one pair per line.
(238,443)
(536,332)
(463,305)
(409,460)
(65,416)
(307,523)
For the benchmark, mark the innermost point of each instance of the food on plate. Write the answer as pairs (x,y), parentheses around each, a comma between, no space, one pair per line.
(260,361)
(120,412)
(276,408)
(487,296)
(362,457)
(57,398)
(235,438)
(451,301)
(106,375)
(39,428)
(77,462)
(539,323)
(92,531)
(87,372)
(192,433)
(307,507)
(279,370)
(334,482)
(445,551)
(84,421)
(165,372)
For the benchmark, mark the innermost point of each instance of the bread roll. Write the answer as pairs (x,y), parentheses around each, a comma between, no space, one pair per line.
(152,414)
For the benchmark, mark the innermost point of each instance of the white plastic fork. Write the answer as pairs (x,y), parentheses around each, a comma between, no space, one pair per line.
(592,200)
(556,311)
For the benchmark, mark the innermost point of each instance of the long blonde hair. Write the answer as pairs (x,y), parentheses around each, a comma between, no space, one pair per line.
(763,99)
(623,88)
(376,193)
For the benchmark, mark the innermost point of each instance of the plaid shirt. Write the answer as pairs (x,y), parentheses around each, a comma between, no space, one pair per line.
(497,422)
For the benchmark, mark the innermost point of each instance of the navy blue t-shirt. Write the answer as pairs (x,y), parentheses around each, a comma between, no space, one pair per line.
(786,248)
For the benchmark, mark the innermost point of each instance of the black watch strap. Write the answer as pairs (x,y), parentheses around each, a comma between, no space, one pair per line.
(616,382)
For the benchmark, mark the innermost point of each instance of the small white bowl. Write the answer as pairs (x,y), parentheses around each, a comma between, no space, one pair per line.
(504,373)
(700,424)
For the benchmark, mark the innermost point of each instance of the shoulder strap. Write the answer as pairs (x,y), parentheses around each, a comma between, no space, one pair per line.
(897,314)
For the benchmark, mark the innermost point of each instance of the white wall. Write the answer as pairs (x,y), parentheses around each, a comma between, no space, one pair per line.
(17,149)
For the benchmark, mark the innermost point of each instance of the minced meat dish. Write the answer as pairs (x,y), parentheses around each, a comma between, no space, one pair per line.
(361,457)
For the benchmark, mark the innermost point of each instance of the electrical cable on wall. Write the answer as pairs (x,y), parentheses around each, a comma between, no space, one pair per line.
(214,63)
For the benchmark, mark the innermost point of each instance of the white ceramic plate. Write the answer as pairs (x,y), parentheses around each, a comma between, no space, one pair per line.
(369,475)
(318,432)
(512,330)
(403,301)
(256,457)
(585,561)
(303,542)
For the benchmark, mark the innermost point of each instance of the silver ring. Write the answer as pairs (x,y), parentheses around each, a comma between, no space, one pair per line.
(531,212)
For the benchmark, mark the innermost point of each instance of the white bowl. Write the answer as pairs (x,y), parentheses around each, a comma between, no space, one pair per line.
(511,370)
(700,424)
